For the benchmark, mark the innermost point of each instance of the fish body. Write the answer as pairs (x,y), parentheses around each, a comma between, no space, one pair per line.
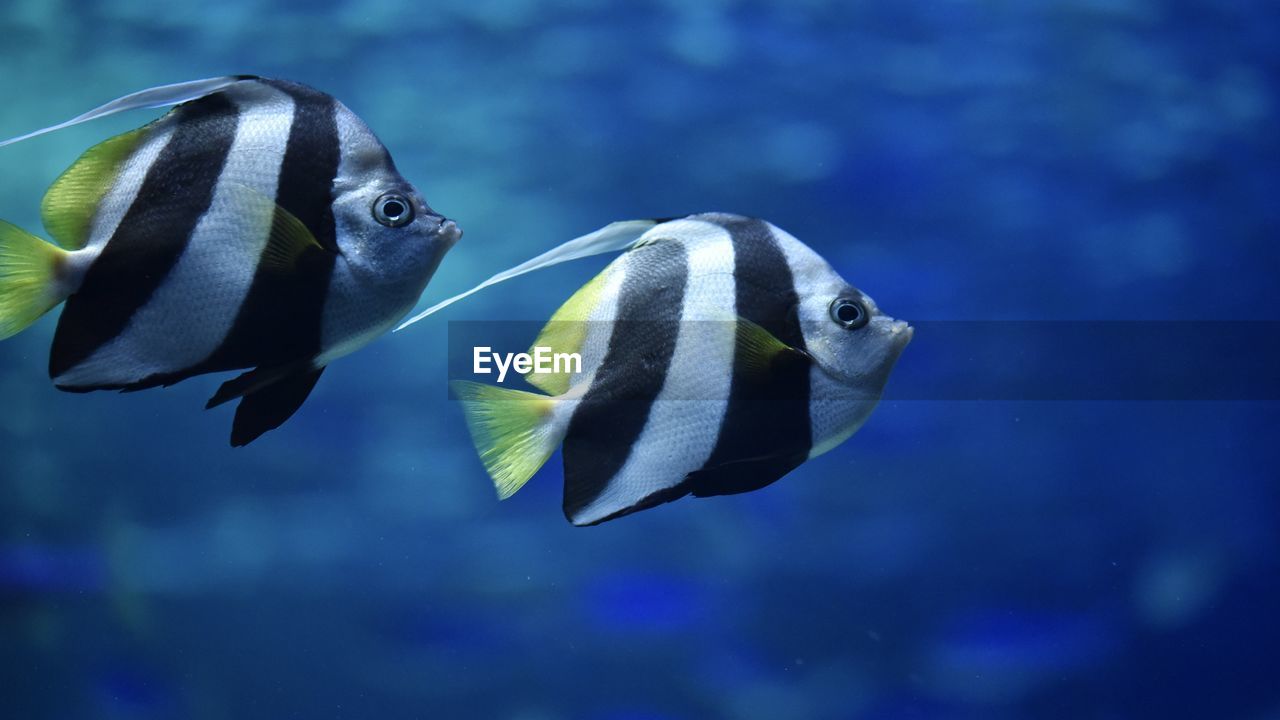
(718,354)
(259,224)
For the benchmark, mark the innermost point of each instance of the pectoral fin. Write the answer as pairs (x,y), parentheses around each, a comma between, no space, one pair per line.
(758,351)
(288,238)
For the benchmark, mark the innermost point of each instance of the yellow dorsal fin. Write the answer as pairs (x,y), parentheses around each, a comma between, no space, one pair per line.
(565,333)
(72,201)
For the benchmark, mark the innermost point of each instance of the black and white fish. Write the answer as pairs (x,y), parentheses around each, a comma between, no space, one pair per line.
(259,224)
(718,353)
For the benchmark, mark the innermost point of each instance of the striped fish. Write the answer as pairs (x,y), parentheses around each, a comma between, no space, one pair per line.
(718,354)
(259,224)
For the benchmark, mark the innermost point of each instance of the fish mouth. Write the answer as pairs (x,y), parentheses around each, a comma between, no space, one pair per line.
(902,332)
(449,230)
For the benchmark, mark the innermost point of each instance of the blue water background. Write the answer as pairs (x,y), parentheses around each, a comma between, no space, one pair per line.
(1084,160)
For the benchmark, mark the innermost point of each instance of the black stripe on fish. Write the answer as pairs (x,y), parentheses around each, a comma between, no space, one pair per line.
(766,431)
(135,261)
(311,161)
(612,414)
(281,319)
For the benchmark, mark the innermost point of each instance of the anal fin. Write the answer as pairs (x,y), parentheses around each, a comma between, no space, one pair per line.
(268,397)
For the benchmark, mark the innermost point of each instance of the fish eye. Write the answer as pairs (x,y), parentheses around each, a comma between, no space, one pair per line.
(393,210)
(849,313)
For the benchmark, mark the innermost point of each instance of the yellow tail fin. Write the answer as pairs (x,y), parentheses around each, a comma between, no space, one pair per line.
(28,278)
(511,429)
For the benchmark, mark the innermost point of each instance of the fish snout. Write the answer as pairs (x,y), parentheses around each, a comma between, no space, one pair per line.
(449,231)
(901,331)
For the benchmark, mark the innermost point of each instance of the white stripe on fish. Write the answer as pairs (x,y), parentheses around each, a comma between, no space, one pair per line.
(685,419)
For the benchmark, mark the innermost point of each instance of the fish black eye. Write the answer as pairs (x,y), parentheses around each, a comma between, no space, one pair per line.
(393,210)
(849,313)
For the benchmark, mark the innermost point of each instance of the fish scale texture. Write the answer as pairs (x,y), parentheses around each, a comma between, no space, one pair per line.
(684,421)
(192,310)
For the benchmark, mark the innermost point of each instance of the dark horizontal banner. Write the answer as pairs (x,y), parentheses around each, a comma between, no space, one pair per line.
(1005,360)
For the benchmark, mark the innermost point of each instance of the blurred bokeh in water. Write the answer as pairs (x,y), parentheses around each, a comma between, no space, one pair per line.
(957,160)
